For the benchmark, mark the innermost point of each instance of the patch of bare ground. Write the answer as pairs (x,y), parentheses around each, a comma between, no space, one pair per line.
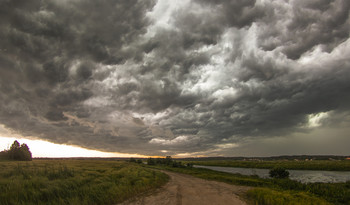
(187,190)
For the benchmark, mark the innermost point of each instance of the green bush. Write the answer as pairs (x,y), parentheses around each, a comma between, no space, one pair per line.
(279,173)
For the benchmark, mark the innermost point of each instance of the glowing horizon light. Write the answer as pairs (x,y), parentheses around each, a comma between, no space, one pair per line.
(45,149)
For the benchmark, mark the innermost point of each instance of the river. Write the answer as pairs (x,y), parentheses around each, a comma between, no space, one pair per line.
(303,176)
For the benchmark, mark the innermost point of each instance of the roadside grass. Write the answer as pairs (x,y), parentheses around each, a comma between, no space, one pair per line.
(266,196)
(282,190)
(343,165)
(74,181)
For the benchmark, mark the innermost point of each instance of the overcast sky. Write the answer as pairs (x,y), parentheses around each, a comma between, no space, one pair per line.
(178,77)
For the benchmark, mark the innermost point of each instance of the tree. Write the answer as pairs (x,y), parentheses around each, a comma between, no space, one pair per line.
(151,161)
(19,152)
(132,160)
(168,160)
(25,153)
(279,173)
(14,150)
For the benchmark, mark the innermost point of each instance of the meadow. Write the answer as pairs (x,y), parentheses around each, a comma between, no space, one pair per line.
(89,181)
(74,181)
(327,165)
(275,191)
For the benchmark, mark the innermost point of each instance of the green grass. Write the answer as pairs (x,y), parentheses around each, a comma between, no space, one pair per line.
(343,165)
(74,181)
(266,196)
(292,192)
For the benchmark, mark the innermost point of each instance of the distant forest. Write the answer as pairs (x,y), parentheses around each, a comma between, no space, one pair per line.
(284,157)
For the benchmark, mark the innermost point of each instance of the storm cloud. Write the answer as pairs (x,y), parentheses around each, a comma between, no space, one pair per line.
(185,78)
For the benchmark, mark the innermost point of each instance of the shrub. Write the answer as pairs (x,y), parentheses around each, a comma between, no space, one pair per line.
(279,172)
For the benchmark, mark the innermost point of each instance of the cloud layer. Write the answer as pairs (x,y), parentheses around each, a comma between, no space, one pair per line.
(188,78)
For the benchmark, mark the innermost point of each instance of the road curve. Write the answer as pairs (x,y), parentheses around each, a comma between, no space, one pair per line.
(187,190)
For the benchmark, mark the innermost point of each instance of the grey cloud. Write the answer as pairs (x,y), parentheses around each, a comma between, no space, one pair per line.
(236,13)
(223,77)
(55,115)
(323,23)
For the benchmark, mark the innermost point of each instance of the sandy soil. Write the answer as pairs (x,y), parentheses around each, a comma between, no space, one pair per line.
(187,190)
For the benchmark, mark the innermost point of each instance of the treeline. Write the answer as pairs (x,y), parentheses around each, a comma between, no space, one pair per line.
(168,161)
(17,151)
(343,165)
(283,157)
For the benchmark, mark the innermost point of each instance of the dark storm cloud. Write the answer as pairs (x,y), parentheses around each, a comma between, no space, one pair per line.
(324,23)
(203,77)
(236,13)
(49,53)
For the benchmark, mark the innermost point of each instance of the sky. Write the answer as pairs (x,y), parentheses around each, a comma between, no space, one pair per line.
(177,77)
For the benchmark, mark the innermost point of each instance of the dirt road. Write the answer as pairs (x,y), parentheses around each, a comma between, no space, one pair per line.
(187,190)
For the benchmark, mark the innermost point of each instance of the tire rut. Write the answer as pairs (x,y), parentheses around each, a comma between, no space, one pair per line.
(187,190)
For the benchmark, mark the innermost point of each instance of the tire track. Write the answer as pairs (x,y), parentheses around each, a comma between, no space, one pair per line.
(187,190)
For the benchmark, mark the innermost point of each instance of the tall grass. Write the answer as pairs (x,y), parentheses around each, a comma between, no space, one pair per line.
(74,182)
(265,196)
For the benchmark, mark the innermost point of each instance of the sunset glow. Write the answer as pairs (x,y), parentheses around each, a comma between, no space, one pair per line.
(41,148)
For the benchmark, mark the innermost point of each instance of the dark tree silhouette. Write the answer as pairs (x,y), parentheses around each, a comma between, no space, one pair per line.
(132,160)
(18,152)
(14,150)
(168,160)
(25,153)
(151,161)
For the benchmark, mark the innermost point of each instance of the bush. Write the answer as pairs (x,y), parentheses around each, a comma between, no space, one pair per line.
(279,173)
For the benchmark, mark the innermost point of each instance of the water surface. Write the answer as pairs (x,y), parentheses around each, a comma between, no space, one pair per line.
(304,176)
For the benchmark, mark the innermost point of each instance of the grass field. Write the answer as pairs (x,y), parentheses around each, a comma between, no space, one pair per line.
(276,191)
(111,182)
(343,165)
(74,181)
